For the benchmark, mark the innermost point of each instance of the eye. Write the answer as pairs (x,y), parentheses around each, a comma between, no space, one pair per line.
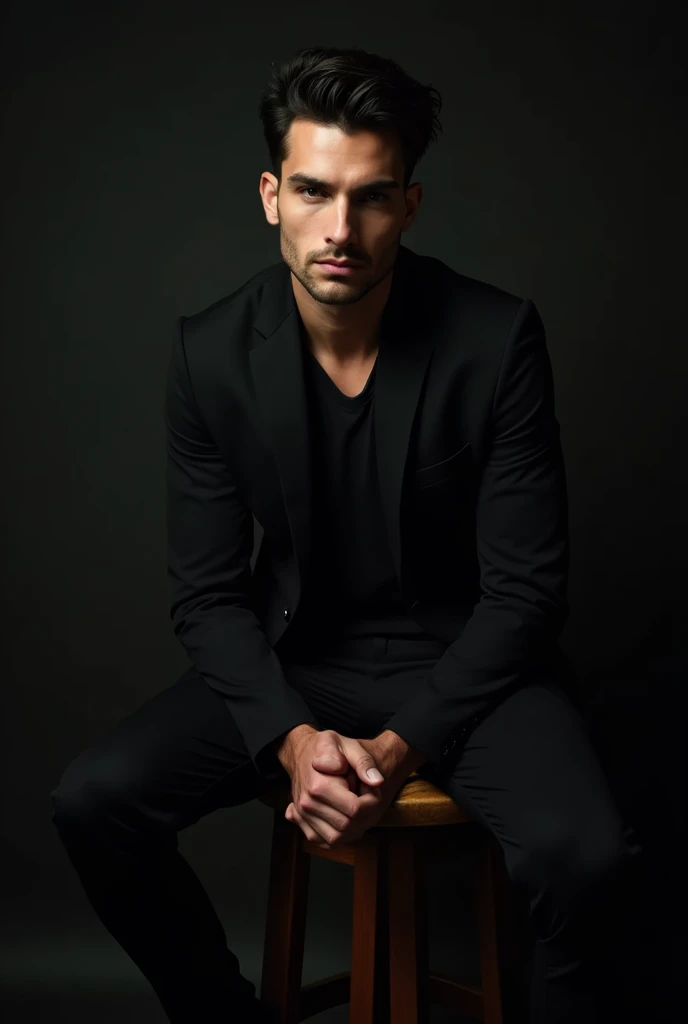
(382,196)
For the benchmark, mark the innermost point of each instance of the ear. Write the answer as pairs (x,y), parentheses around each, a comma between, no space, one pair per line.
(268,193)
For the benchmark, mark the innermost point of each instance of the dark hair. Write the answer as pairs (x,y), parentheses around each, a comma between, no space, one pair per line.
(355,91)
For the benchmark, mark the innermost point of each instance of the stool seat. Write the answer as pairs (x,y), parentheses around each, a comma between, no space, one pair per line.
(418,803)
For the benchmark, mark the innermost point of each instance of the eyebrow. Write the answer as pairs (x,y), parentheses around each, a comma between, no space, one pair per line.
(308,179)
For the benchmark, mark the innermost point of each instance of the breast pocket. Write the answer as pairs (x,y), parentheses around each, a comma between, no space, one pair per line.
(455,467)
(441,512)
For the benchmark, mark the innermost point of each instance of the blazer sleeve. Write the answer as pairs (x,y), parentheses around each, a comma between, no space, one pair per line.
(209,546)
(523,553)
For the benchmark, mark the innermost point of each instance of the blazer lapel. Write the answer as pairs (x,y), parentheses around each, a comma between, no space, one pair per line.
(277,368)
(406,346)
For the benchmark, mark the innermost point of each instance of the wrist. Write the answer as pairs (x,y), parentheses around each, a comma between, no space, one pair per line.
(286,746)
(397,753)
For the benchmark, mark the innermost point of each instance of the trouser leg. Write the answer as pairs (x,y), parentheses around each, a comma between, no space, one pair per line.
(529,773)
(118,810)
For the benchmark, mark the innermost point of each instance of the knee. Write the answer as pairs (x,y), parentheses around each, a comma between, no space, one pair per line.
(573,860)
(90,787)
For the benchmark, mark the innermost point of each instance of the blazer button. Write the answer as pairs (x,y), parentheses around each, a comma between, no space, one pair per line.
(287,616)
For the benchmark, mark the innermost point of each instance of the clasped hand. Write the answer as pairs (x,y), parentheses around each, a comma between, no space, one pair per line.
(333,800)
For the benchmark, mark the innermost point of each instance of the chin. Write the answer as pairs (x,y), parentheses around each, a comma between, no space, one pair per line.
(337,296)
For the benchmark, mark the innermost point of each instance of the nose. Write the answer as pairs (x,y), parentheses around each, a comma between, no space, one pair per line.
(342,227)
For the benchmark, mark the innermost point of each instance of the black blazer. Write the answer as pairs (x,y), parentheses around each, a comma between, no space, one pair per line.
(471,477)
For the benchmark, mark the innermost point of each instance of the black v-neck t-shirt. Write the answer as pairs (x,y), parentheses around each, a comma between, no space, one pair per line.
(352,589)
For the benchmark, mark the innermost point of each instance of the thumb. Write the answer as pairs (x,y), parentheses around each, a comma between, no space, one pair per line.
(366,768)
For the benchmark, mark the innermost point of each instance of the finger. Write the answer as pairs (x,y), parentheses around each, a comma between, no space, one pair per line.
(353,781)
(342,754)
(331,763)
(369,796)
(291,814)
(324,819)
(338,834)
(325,830)
(324,836)
(338,802)
(310,833)
(330,757)
(337,814)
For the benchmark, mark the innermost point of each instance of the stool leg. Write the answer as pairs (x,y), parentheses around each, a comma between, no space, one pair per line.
(408,934)
(489,881)
(286,921)
(381,996)
(368,1000)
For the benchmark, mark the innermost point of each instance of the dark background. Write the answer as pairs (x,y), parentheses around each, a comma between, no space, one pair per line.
(133,152)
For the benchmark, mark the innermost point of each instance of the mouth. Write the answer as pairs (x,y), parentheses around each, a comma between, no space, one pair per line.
(342,269)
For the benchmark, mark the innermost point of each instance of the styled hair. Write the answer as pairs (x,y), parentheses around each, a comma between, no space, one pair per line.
(352,90)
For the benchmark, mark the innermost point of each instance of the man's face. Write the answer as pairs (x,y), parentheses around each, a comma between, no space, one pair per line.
(358,213)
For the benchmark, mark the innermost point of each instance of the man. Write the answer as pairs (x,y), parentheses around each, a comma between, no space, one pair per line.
(390,425)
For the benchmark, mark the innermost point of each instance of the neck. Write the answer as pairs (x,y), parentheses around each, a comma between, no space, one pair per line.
(348,335)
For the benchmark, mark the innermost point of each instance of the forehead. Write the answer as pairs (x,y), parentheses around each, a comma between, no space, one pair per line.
(320,147)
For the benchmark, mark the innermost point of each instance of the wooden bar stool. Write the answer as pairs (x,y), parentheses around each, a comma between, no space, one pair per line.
(390,981)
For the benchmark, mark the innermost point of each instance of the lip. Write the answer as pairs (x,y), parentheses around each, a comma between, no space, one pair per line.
(342,269)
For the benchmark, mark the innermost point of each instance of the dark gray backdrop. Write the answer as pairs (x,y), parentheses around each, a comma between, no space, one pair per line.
(133,155)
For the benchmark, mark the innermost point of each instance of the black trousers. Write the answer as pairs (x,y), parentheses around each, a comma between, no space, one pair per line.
(528,772)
